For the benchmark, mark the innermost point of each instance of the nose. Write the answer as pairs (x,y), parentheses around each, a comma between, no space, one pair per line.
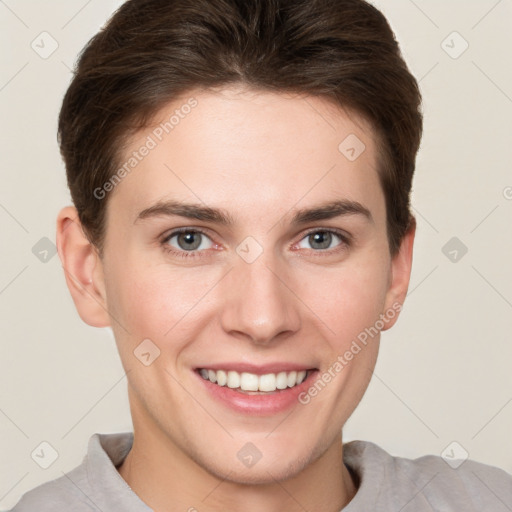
(259,304)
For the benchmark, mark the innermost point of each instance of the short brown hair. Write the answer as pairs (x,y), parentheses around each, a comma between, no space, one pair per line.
(152,51)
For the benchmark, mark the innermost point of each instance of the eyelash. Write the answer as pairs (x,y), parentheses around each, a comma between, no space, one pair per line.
(345,242)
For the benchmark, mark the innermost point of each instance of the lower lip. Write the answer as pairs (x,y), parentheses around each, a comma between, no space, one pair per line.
(261,404)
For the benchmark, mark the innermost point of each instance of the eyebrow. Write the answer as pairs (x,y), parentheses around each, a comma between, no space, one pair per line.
(220,216)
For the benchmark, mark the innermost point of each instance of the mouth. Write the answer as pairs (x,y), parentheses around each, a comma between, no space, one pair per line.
(254,384)
(255,391)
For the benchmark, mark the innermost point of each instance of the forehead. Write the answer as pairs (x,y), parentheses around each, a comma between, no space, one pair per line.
(253,150)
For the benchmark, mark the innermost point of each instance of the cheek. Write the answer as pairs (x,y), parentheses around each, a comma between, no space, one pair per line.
(155,300)
(347,299)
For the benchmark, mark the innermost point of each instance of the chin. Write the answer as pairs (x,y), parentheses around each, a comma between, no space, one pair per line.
(264,471)
(263,474)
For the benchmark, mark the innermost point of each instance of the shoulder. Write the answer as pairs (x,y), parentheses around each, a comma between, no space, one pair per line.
(89,485)
(94,485)
(430,480)
(65,491)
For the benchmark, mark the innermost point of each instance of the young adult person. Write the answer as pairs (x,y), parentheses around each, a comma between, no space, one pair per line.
(241,172)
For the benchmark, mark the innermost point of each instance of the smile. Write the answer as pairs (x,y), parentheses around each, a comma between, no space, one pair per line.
(250,382)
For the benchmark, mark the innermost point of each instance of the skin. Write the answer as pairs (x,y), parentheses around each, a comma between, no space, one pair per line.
(261,156)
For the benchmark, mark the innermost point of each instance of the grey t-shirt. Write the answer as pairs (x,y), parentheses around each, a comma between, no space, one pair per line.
(386,483)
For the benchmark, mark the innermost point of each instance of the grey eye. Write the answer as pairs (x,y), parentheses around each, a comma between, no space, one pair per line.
(189,240)
(320,240)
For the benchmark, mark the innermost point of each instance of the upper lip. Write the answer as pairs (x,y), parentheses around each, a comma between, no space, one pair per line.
(257,369)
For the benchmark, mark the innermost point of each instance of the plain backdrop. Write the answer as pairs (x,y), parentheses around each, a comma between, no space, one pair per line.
(442,383)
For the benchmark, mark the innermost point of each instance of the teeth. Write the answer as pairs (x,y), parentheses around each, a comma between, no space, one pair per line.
(233,380)
(252,382)
(249,382)
(301,376)
(292,379)
(222,378)
(267,382)
(281,380)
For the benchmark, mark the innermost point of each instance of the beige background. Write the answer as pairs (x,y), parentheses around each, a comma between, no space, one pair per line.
(444,370)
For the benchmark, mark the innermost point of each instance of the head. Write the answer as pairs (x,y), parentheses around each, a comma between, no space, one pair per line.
(280,137)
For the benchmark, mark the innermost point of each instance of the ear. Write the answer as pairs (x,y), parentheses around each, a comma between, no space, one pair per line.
(401,265)
(83,269)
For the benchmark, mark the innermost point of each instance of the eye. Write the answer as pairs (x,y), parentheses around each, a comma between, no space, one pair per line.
(187,240)
(322,239)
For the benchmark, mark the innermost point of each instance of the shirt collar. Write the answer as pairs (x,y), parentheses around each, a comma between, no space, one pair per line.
(110,491)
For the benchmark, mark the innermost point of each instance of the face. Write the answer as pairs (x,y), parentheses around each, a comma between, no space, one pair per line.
(249,248)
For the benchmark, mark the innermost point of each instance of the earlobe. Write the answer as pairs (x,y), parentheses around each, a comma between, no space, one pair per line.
(401,265)
(83,269)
